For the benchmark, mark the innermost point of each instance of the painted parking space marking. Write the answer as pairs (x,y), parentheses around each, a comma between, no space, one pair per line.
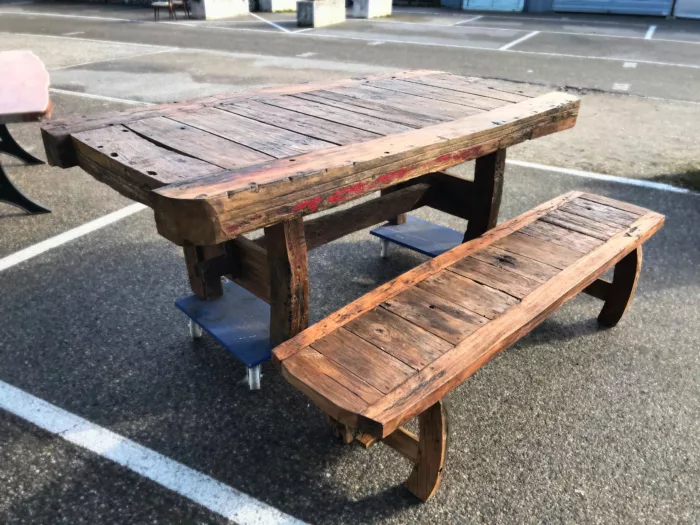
(518,41)
(195,486)
(474,19)
(70,235)
(283,29)
(630,65)
(620,87)
(307,55)
(650,33)
(114,58)
(377,43)
(74,33)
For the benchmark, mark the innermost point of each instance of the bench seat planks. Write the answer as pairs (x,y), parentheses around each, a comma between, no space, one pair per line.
(438,323)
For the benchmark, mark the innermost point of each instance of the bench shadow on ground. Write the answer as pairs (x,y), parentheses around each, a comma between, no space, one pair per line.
(127,364)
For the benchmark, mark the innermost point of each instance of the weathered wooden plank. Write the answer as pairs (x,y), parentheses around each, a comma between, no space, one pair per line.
(483,300)
(561,236)
(473,86)
(405,443)
(240,201)
(203,286)
(289,279)
(363,359)
(620,205)
(449,194)
(388,290)
(57,133)
(398,337)
(396,100)
(539,250)
(254,274)
(293,121)
(485,197)
(118,149)
(439,95)
(452,368)
(583,225)
(327,228)
(434,314)
(372,108)
(196,143)
(334,114)
(517,263)
(329,367)
(600,213)
(497,277)
(261,137)
(305,372)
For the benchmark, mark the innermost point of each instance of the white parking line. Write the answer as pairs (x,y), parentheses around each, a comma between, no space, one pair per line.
(98,97)
(630,65)
(114,58)
(74,33)
(602,176)
(618,86)
(58,15)
(468,20)
(394,41)
(650,33)
(195,486)
(519,40)
(307,55)
(53,242)
(283,29)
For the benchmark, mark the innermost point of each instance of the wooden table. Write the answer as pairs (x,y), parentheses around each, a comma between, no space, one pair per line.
(219,167)
(24,97)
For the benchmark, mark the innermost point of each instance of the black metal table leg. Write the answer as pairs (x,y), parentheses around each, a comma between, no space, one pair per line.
(9,145)
(8,191)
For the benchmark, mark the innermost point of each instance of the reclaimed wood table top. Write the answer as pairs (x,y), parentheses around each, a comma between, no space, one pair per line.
(220,166)
(24,88)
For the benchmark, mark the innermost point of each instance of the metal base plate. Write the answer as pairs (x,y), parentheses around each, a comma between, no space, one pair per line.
(238,320)
(419,235)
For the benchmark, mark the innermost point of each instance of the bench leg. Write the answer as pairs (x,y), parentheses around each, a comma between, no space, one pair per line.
(203,286)
(485,200)
(621,290)
(432,446)
(289,279)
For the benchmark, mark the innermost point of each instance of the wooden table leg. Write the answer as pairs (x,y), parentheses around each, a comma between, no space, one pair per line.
(204,287)
(485,200)
(289,279)
(401,217)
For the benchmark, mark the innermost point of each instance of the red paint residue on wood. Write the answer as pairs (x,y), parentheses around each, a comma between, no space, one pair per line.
(311,205)
(364,187)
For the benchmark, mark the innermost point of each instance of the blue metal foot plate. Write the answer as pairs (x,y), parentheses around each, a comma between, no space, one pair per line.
(238,320)
(421,236)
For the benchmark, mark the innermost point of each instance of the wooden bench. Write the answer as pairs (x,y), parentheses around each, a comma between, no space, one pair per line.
(396,352)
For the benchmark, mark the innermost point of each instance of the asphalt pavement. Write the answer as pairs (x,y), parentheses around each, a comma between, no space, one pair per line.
(573,424)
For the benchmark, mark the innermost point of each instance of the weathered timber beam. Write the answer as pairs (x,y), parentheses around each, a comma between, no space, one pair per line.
(403,442)
(600,289)
(327,228)
(253,274)
(449,194)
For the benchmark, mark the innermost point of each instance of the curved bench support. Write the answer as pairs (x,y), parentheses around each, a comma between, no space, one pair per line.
(427,472)
(621,290)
